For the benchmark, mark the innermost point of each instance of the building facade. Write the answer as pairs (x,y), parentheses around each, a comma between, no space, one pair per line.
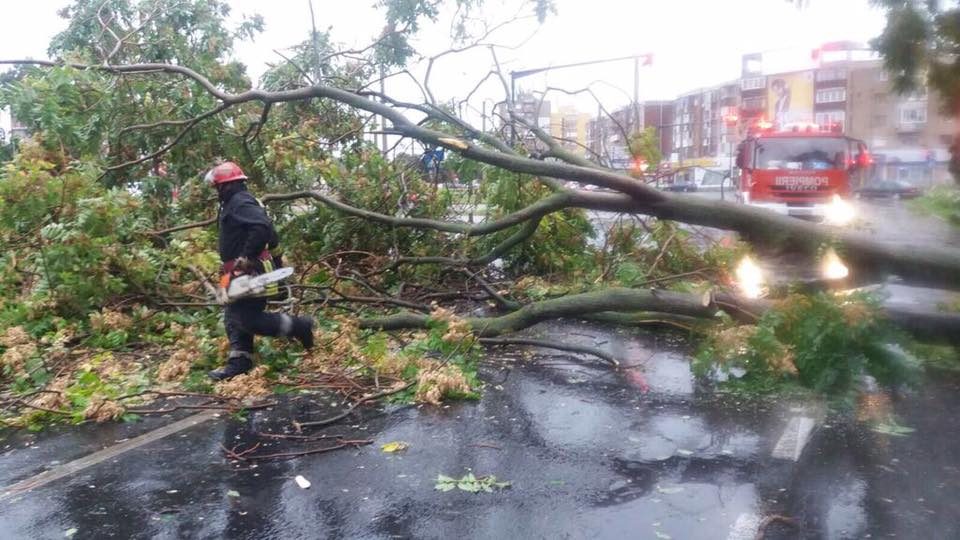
(570,127)
(908,135)
(700,131)
(843,86)
(11,128)
(608,133)
(753,90)
(533,110)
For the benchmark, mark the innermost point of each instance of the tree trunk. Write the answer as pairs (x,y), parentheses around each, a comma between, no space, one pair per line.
(620,305)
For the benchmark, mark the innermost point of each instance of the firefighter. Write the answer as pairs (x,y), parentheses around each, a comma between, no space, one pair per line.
(246,238)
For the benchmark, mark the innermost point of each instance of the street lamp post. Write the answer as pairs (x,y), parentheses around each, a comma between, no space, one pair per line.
(731,120)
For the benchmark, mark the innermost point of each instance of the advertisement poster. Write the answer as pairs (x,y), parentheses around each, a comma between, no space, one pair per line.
(790,98)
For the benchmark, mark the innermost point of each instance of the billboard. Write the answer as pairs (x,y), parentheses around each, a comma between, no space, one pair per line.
(790,98)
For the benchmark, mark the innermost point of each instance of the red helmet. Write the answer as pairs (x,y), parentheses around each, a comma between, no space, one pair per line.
(227,171)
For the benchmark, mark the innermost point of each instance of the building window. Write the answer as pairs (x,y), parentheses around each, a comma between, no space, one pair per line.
(913,113)
(946,140)
(831,75)
(878,120)
(831,95)
(908,139)
(754,103)
(754,83)
(831,118)
(920,94)
(882,75)
(880,97)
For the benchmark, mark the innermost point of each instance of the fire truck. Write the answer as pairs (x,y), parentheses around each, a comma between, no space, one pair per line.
(801,170)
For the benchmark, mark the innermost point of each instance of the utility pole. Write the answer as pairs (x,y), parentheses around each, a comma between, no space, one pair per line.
(601,135)
(383,119)
(514,75)
(636,94)
(663,152)
(511,106)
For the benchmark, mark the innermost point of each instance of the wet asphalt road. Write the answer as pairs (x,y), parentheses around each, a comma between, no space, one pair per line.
(588,452)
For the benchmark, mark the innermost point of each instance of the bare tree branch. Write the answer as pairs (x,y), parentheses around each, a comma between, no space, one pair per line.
(912,263)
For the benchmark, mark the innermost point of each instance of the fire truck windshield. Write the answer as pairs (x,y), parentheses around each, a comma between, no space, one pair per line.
(801,153)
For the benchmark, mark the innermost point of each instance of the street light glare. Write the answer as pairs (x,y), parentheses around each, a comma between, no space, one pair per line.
(750,278)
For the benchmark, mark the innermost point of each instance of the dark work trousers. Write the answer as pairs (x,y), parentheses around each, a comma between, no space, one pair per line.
(246,318)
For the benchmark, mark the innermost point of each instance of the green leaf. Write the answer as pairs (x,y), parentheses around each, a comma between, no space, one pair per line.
(445,483)
(469,483)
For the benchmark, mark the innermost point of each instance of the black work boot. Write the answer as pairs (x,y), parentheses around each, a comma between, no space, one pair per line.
(303,331)
(236,365)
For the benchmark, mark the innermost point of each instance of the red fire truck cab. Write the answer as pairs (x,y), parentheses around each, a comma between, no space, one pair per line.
(802,171)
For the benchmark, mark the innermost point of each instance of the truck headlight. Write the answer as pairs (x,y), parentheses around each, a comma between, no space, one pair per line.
(839,212)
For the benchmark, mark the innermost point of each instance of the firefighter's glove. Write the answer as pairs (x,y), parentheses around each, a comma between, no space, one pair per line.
(244,265)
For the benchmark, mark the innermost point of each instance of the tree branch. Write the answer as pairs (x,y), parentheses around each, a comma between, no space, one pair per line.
(582,349)
(576,305)
(934,266)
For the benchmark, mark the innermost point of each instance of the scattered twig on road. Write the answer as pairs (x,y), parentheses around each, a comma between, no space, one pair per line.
(353,407)
(245,454)
(233,454)
(304,438)
(485,445)
(582,349)
(164,393)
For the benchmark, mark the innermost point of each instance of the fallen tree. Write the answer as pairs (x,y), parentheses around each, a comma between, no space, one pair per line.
(914,264)
(103,212)
(660,307)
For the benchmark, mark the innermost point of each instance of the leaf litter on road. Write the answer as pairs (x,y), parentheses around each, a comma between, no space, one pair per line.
(394,446)
(470,483)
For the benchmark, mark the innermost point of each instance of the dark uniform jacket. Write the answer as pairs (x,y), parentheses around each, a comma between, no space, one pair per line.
(245,228)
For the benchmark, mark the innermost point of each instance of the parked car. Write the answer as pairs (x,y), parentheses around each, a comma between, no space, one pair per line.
(680,185)
(896,189)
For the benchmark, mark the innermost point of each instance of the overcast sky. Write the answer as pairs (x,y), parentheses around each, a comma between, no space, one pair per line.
(695,43)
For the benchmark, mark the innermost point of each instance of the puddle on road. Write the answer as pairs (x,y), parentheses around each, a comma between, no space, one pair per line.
(678,510)
(845,517)
(668,373)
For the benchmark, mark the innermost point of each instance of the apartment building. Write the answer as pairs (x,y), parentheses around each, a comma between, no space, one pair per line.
(844,85)
(532,109)
(570,127)
(753,89)
(908,135)
(699,129)
(608,132)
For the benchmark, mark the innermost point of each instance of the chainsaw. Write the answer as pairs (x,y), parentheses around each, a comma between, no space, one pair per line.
(245,286)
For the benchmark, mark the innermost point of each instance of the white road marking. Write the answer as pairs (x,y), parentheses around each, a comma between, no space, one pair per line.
(100,456)
(795,437)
